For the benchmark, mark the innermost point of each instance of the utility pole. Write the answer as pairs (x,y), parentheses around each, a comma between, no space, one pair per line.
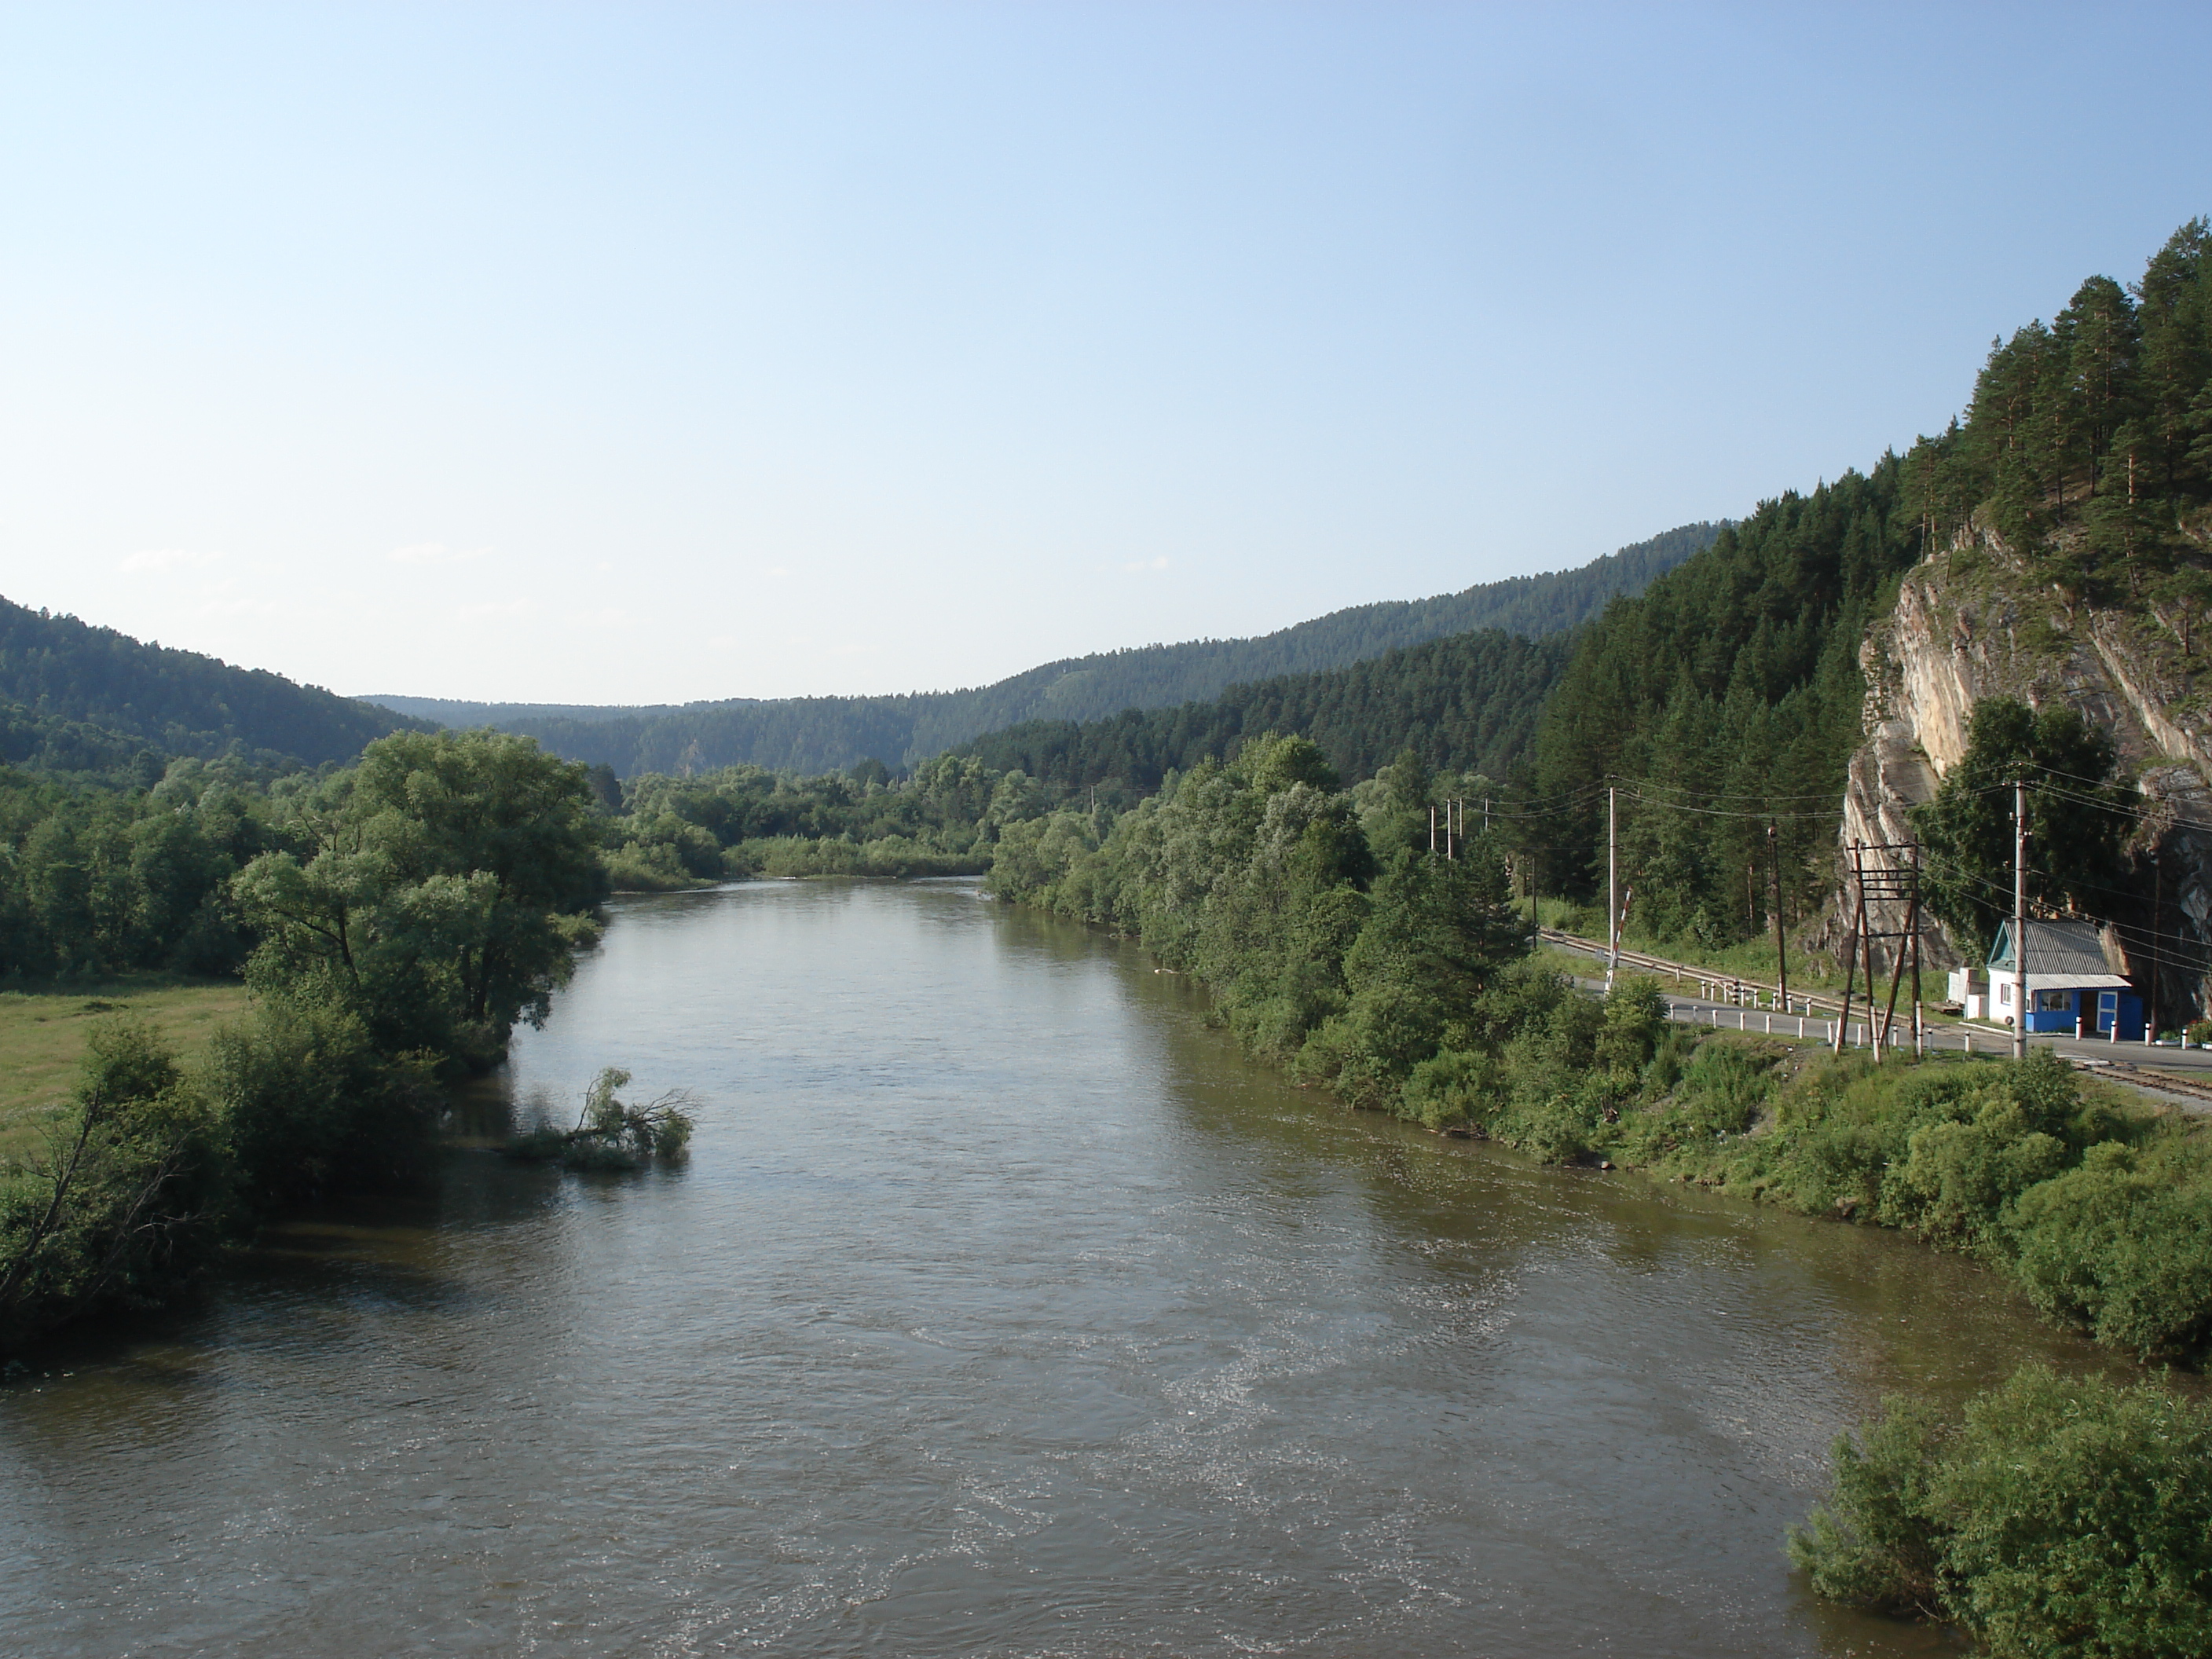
(2157,919)
(1612,883)
(1851,945)
(1906,863)
(2020,919)
(1781,956)
(1432,828)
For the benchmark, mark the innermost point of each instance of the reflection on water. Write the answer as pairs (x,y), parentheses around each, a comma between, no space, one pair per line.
(1002,1310)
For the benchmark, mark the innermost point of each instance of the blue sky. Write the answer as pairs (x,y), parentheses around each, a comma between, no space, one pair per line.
(645,352)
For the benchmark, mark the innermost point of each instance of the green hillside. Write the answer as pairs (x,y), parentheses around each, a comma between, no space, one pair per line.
(77,698)
(1465,704)
(817,734)
(1730,691)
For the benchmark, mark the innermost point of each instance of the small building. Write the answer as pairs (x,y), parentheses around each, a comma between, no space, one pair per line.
(2068,981)
(1969,991)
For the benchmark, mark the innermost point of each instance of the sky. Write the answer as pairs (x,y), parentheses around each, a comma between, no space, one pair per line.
(650,352)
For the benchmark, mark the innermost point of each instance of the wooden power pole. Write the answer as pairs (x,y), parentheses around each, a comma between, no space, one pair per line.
(1781,954)
(1612,883)
(2020,919)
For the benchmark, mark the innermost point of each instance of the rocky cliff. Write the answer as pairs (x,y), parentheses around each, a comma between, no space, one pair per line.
(1970,623)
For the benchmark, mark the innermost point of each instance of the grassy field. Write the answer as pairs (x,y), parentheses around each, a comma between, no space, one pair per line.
(42,1039)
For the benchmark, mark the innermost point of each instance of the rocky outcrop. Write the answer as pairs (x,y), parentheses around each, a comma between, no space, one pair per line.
(1967,625)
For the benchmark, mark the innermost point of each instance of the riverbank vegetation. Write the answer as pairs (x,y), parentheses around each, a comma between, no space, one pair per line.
(670,833)
(401,917)
(2098,1209)
(2054,1516)
(1334,943)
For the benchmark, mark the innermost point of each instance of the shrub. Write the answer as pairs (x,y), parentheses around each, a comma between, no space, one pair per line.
(124,1206)
(1456,1090)
(647,867)
(2058,1516)
(310,1106)
(2122,1245)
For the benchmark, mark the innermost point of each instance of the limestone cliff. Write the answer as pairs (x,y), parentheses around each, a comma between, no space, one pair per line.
(1969,624)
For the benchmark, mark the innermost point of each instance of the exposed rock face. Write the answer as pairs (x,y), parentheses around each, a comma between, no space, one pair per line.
(1967,626)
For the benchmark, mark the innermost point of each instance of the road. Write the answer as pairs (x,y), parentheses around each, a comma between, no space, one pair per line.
(2135,1064)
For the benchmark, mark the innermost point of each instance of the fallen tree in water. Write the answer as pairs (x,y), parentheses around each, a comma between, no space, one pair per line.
(611,1133)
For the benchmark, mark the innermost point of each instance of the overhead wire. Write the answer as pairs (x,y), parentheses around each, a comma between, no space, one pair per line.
(1651,792)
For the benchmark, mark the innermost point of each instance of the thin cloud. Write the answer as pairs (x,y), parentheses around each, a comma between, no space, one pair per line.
(435,553)
(1132,569)
(169,558)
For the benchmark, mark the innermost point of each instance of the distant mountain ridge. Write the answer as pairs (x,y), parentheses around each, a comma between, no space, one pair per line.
(819,734)
(461,711)
(74,696)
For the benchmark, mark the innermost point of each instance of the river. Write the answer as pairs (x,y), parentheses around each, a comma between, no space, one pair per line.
(1001,1309)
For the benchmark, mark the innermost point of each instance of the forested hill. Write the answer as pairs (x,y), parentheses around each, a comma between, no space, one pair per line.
(1163,676)
(1726,697)
(1466,704)
(817,734)
(1729,695)
(74,698)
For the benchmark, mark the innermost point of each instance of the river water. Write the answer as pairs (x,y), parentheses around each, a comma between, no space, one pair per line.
(1001,1309)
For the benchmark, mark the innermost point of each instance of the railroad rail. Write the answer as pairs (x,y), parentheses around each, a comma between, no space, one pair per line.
(1733,989)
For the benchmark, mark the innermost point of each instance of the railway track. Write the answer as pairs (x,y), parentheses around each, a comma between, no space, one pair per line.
(1730,988)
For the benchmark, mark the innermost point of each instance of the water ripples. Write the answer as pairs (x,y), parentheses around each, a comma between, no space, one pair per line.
(1002,1309)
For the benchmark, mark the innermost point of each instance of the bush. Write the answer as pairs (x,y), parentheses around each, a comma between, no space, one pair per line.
(650,868)
(125,1206)
(1456,1090)
(309,1107)
(2059,1516)
(2122,1245)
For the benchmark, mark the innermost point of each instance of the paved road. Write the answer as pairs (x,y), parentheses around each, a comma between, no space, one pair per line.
(1953,1037)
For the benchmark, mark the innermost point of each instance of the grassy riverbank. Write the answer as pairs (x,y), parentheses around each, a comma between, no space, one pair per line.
(43,1037)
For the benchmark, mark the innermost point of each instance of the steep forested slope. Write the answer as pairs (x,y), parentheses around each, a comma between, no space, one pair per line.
(77,697)
(2075,493)
(814,735)
(1729,693)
